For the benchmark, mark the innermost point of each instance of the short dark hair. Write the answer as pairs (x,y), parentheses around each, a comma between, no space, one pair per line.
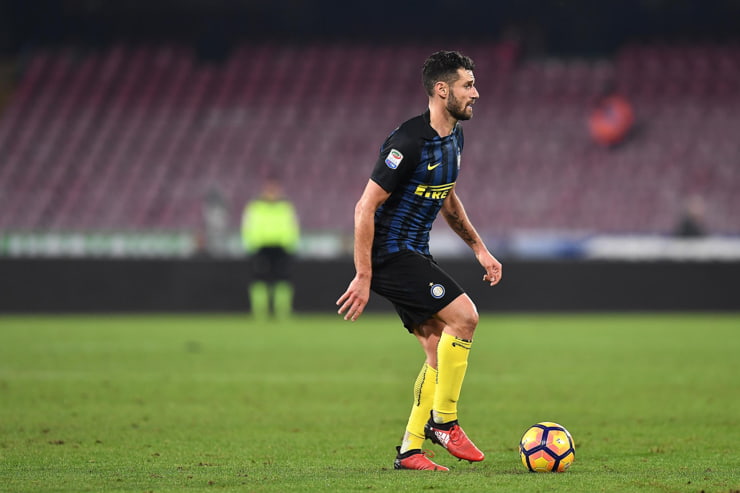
(442,66)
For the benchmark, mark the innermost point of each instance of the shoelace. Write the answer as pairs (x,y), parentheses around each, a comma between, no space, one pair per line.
(428,453)
(455,434)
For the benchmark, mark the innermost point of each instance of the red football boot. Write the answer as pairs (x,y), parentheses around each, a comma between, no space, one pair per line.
(417,460)
(453,438)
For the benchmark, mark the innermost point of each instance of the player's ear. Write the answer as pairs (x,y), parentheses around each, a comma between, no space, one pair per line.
(441,88)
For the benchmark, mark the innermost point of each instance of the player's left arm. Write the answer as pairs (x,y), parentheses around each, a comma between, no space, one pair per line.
(454,213)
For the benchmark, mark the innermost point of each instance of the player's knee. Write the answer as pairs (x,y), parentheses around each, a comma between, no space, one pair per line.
(471,315)
(466,324)
(470,322)
(473,319)
(461,318)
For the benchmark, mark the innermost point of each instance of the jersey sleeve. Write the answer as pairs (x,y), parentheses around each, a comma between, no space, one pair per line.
(397,161)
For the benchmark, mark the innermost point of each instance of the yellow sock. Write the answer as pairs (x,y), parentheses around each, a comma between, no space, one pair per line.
(259,298)
(452,362)
(424,390)
(283,299)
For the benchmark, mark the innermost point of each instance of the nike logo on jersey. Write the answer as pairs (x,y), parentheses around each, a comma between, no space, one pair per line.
(430,167)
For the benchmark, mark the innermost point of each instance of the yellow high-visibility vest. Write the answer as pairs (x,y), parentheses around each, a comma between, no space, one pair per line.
(268,223)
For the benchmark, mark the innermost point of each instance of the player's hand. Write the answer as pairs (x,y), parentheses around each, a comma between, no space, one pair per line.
(355,299)
(494,270)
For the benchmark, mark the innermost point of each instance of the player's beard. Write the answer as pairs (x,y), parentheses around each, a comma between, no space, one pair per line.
(457,110)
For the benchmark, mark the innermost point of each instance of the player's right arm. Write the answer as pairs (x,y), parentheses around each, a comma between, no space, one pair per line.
(396,161)
(355,298)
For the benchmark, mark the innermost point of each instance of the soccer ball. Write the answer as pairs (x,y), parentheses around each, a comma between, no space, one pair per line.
(547,447)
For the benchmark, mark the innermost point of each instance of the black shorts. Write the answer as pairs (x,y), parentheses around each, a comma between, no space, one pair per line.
(417,287)
(271,264)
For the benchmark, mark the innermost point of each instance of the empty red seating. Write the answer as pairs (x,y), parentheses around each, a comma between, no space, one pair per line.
(133,137)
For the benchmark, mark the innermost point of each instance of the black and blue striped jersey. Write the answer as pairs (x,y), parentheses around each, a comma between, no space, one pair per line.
(418,168)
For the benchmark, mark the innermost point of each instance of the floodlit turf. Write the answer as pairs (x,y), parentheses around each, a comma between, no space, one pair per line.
(218,403)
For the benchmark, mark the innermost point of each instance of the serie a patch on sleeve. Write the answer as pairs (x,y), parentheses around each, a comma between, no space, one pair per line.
(393,159)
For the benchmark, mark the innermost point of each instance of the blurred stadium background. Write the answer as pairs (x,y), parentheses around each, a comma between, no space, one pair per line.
(118,121)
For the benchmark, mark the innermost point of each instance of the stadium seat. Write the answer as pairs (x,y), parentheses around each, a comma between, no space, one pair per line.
(132,137)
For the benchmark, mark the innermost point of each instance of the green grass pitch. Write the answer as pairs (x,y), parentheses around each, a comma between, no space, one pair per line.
(219,403)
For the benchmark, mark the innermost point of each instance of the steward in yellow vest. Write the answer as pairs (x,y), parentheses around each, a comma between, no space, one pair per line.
(270,235)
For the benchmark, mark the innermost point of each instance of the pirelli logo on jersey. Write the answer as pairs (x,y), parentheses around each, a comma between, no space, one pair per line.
(434,191)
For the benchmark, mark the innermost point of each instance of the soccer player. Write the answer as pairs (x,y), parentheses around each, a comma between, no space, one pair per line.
(413,180)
